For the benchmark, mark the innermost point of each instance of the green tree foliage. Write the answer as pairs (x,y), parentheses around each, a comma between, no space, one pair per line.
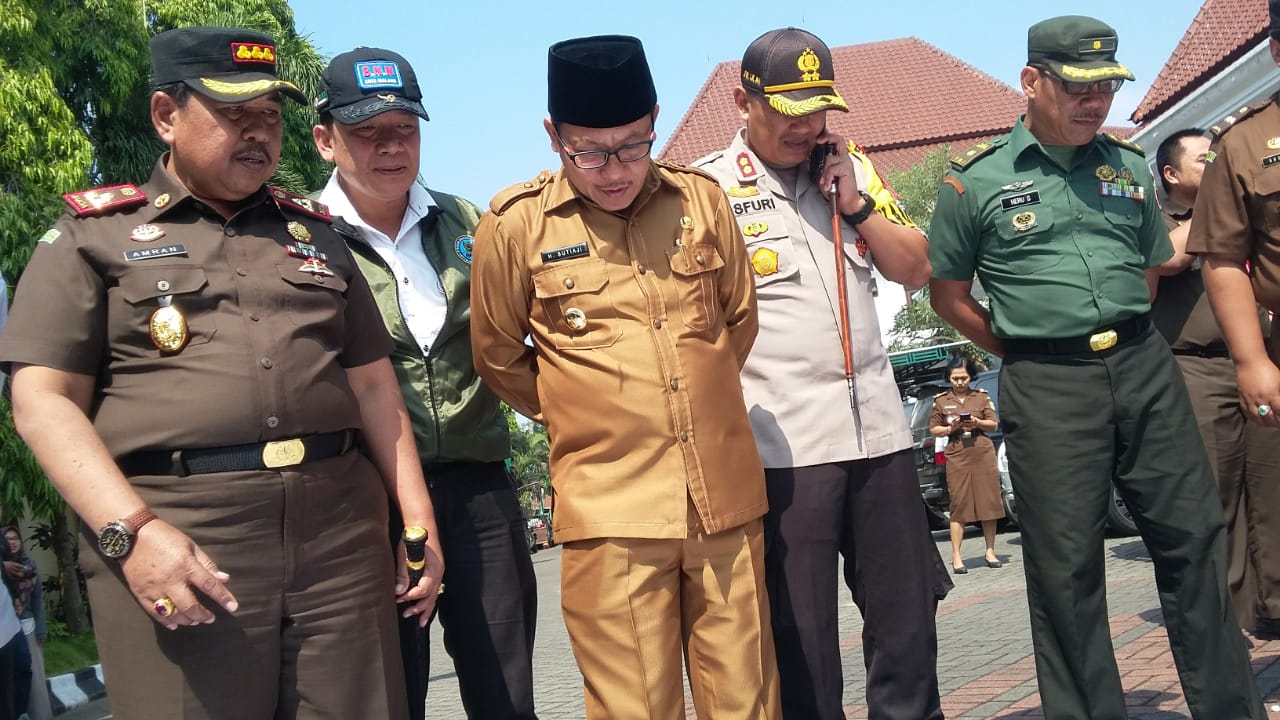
(918,186)
(529,466)
(75,91)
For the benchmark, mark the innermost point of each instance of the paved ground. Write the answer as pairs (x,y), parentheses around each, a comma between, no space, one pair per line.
(985,666)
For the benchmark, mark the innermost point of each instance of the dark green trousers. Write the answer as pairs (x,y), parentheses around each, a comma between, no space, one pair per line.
(1074,425)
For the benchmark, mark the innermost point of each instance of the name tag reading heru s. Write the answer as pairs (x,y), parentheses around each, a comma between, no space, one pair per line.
(565,253)
(1016,201)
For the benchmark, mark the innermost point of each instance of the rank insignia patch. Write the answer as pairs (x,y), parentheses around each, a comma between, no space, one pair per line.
(764,261)
(1024,221)
(253,53)
(464,246)
(163,199)
(755,229)
(746,168)
(100,200)
(50,235)
(742,191)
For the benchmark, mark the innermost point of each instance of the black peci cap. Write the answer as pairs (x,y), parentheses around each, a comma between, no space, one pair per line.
(792,68)
(599,82)
(367,82)
(223,64)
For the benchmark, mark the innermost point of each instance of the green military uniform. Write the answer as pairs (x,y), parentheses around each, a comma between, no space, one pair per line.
(1060,238)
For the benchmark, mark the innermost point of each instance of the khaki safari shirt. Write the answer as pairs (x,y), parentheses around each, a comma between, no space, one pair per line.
(1238,208)
(639,324)
(1061,251)
(268,341)
(794,381)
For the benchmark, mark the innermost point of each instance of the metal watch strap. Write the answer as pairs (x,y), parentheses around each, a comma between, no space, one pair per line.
(868,207)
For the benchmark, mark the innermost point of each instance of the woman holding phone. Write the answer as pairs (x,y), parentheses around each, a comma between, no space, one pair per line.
(964,416)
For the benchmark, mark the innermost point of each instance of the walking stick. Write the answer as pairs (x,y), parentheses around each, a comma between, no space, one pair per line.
(842,296)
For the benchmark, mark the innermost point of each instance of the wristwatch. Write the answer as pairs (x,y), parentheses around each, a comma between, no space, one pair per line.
(868,207)
(115,539)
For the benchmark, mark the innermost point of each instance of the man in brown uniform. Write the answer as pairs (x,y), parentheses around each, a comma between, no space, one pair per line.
(632,280)
(1245,456)
(194,362)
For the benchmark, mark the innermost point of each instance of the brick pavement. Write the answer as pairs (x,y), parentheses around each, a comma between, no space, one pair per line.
(985,667)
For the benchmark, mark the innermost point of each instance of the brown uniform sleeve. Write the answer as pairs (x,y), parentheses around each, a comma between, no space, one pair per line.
(367,337)
(938,417)
(988,412)
(500,292)
(58,319)
(737,287)
(1220,223)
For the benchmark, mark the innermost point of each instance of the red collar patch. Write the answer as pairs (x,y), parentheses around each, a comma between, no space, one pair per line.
(301,203)
(746,168)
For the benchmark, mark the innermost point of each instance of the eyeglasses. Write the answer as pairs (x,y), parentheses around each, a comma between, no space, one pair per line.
(1104,87)
(593,159)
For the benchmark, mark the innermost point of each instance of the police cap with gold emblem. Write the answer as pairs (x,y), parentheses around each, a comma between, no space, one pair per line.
(366,82)
(1076,48)
(792,68)
(599,82)
(224,64)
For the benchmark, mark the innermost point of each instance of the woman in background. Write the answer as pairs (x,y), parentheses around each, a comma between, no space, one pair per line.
(30,601)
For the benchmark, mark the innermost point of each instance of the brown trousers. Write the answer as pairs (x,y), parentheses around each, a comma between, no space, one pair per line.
(632,606)
(1246,462)
(315,635)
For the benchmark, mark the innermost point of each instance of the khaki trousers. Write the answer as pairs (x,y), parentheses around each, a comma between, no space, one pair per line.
(633,606)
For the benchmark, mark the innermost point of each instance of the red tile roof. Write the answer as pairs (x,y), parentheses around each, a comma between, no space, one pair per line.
(930,99)
(1222,32)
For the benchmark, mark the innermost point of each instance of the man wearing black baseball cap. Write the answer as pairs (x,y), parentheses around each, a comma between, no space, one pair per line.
(630,278)
(837,470)
(1060,224)
(200,369)
(414,245)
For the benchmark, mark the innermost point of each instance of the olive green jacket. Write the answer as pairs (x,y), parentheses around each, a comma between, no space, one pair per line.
(455,416)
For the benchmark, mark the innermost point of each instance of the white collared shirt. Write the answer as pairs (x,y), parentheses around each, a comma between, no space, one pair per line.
(422,299)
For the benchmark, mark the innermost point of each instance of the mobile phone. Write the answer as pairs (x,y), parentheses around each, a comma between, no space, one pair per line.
(966,416)
(818,159)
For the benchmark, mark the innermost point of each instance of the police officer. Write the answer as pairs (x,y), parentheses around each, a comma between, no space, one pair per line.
(1245,456)
(631,280)
(841,477)
(413,245)
(201,370)
(1062,227)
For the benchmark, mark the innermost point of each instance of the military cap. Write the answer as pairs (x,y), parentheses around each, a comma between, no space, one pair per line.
(367,82)
(792,68)
(1076,49)
(223,64)
(599,82)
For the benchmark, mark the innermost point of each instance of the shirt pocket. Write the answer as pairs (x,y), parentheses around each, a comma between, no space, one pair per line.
(1265,189)
(316,304)
(694,269)
(143,288)
(1027,241)
(577,306)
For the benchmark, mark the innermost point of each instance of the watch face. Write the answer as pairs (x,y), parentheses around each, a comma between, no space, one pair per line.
(114,541)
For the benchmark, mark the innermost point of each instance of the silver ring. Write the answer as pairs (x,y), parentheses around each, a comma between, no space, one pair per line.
(1264,410)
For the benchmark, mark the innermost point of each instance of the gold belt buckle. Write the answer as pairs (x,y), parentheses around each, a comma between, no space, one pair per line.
(1103,340)
(283,453)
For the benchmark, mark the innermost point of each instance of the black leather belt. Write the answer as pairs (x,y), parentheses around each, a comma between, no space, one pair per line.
(1095,342)
(238,458)
(1209,351)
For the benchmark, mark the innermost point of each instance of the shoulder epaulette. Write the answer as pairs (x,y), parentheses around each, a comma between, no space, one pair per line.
(1121,142)
(1230,121)
(708,158)
(982,149)
(984,392)
(944,392)
(300,203)
(100,201)
(677,167)
(505,198)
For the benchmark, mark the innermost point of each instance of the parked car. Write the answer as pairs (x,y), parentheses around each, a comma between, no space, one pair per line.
(931,465)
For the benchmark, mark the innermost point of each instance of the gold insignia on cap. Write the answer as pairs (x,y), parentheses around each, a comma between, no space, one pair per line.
(168,329)
(163,199)
(1024,221)
(576,319)
(387,98)
(764,261)
(1105,173)
(299,232)
(809,64)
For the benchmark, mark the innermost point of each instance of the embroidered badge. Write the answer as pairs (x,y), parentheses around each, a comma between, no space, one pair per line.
(50,235)
(464,246)
(742,191)
(764,261)
(755,229)
(146,233)
(746,168)
(1012,202)
(1105,173)
(152,253)
(565,253)
(1024,221)
(1210,156)
(373,74)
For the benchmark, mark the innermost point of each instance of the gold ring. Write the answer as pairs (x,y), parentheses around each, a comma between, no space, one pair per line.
(440,590)
(164,607)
